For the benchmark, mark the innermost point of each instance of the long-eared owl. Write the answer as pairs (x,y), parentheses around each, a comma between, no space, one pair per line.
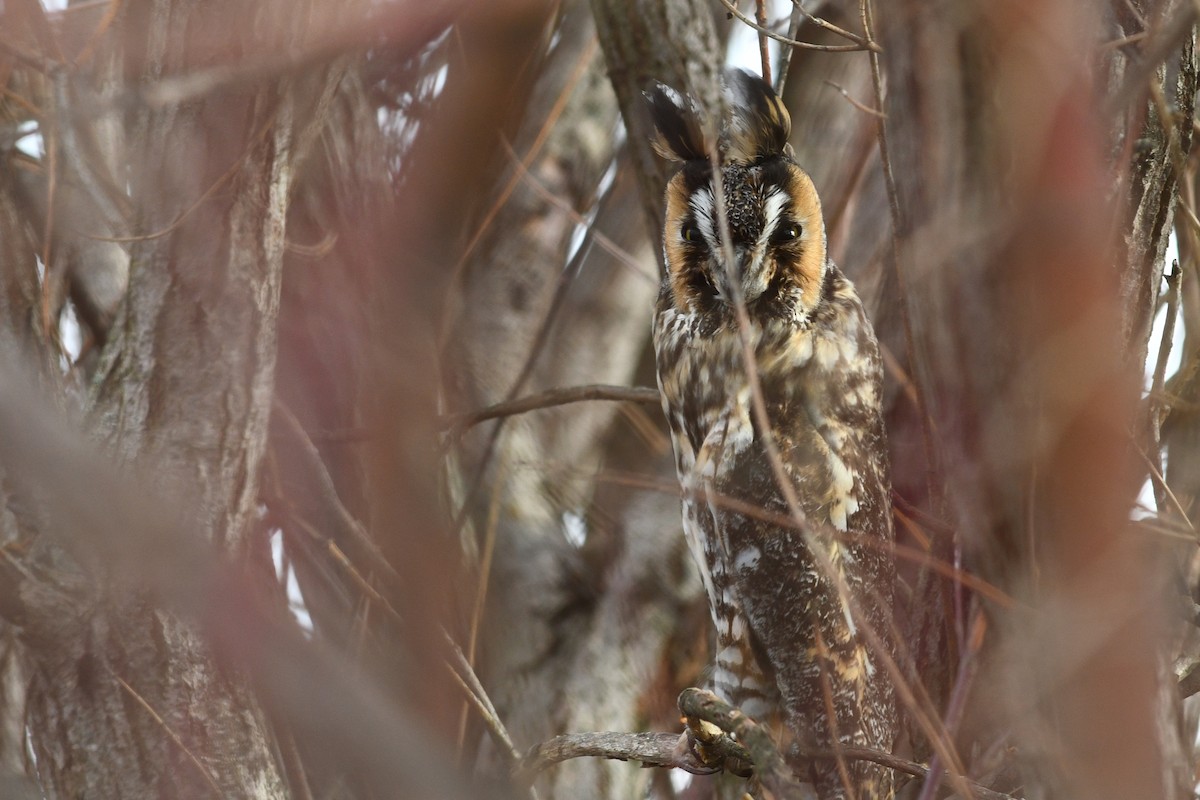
(788,648)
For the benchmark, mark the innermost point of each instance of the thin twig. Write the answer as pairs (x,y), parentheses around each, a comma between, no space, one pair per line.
(50,142)
(835,734)
(174,737)
(293,762)
(229,174)
(865,109)
(606,244)
(828,48)
(764,52)
(1161,482)
(112,10)
(466,673)
(1116,44)
(535,149)
(967,667)
(481,588)
(350,528)
(33,60)
(552,398)
(728,503)
(1163,41)
(489,719)
(785,53)
(829,26)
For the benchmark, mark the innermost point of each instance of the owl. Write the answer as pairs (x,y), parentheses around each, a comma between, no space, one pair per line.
(790,653)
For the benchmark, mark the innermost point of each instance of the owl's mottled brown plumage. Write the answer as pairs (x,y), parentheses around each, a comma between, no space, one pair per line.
(788,648)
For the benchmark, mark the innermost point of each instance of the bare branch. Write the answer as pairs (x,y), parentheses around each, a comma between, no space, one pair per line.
(552,398)
(622,255)
(351,530)
(865,109)
(828,48)
(829,26)
(651,749)
(764,53)
(475,692)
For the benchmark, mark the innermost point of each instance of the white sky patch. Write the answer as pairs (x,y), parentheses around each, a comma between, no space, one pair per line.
(680,780)
(1145,503)
(579,233)
(439,80)
(1175,358)
(29,139)
(574,529)
(69,332)
(295,597)
(743,40)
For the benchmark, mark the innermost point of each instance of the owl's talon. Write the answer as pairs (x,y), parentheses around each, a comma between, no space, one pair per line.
(689,759)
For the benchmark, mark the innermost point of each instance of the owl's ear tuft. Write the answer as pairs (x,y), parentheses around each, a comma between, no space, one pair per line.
(758,124)
(678,124)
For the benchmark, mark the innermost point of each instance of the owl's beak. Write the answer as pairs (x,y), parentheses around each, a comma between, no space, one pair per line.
(751,269)
(749,272)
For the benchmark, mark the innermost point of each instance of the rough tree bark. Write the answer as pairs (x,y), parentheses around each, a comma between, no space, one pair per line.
(125,699)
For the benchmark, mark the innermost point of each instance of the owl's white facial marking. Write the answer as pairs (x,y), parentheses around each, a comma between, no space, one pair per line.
(759,268)
(704,215)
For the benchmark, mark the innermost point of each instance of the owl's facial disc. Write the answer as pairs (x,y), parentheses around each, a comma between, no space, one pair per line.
(770,244)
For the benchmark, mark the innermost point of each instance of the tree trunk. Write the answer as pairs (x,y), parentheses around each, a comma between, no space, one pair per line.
(126,700)
(532,314)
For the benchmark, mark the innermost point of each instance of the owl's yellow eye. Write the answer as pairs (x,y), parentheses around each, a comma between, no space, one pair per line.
(787,232)
(690,233)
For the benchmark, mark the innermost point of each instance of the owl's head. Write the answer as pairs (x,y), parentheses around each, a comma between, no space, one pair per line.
(773,215)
